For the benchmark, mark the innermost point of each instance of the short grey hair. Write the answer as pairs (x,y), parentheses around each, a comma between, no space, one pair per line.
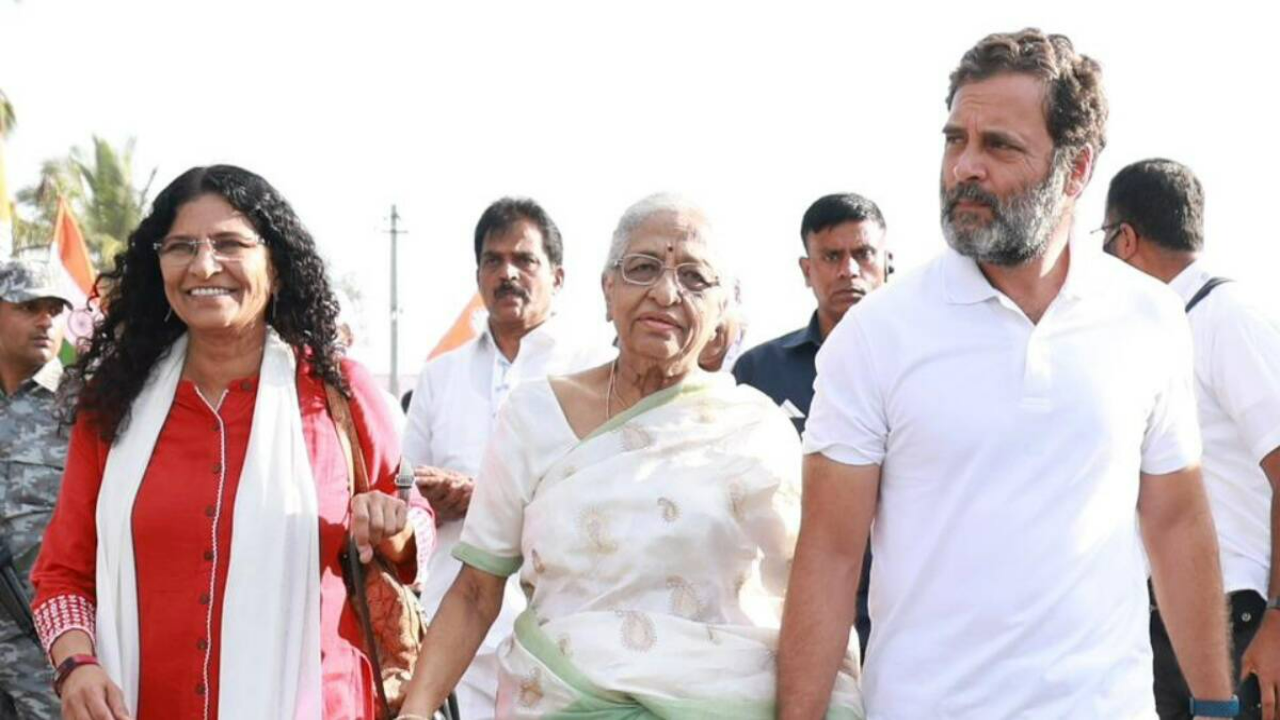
(638,213)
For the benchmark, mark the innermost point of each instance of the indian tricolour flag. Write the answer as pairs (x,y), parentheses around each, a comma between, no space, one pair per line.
(74,273)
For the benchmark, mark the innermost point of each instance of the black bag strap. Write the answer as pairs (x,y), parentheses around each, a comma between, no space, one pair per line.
(1204,291)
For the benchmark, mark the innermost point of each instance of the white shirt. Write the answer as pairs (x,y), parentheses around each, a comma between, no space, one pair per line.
(1009,575)
(1237,371)
(451,416)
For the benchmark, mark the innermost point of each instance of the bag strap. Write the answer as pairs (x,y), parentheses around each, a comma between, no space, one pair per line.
(357,477)
(340,409)
(1205,290)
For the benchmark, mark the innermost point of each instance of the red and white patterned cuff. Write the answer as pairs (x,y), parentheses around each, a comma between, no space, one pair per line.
(63,613)
(423,521)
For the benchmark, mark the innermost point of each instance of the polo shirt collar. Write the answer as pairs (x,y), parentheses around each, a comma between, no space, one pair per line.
(963,281)
(1190,280)
(811,334)
(966,285)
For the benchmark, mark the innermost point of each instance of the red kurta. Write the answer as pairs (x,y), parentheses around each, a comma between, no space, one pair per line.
(182,523)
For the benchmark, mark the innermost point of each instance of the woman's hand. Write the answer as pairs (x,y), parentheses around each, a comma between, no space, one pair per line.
(88,694)
(378,518)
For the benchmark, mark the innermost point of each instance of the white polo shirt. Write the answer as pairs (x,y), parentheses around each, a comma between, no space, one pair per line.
(1237,371)
(1009,579)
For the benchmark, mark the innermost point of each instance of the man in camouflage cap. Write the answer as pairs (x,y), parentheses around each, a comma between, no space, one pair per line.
(33,448)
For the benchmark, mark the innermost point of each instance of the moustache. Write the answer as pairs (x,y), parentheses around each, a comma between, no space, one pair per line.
(969,192)
(506,289)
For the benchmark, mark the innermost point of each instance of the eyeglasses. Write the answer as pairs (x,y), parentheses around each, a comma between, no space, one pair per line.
(1109,238)
(226,247)
(646,270)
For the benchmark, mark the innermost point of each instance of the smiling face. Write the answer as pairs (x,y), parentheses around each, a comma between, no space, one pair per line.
(1002,195)
(29,333)
(212,295)
(664,323)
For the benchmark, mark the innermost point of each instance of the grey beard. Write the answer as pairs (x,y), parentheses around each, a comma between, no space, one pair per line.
(1020,227)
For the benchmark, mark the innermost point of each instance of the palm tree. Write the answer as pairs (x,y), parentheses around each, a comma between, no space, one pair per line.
(100,190)
(7,117)
(113,206)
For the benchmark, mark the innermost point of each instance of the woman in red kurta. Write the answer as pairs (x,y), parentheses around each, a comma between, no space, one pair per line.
(254,298)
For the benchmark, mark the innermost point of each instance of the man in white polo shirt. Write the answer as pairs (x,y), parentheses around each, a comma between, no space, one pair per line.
(1017,416)
(1155,222)
(518,272)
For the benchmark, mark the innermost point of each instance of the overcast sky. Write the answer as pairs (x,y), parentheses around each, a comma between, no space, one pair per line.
(752,109)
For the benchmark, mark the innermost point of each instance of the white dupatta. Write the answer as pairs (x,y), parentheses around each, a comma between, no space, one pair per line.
(270,634)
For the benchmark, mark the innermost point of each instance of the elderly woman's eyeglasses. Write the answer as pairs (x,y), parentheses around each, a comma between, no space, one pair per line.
(646,270)
(226,247)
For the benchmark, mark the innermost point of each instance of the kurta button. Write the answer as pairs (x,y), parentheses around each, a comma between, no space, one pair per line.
(210,511)
(200,689)
(204,598)
(217,428)
(208,555)
(246,386)
(202,644)
(217,468)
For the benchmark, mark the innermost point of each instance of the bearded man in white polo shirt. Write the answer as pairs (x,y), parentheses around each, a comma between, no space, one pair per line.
(519,255)
(1155,222)
(1018,418)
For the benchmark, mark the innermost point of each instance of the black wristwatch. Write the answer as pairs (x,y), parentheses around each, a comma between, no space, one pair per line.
(1215,708)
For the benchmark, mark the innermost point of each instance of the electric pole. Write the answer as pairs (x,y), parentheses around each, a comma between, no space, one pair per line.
(395,232)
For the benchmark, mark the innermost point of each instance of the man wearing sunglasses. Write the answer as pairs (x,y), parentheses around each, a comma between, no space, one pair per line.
(33,450)
(1155,222)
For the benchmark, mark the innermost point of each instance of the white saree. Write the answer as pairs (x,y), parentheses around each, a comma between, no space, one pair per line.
(654,553)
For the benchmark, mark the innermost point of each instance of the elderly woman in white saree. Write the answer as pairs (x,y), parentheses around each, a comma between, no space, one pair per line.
(650,508)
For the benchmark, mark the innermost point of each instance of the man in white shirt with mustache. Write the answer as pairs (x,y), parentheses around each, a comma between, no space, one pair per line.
(519,255)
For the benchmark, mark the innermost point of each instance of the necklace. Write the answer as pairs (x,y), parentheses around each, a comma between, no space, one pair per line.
(608,396)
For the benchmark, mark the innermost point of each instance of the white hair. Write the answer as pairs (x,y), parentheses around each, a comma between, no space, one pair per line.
(656,204)
(635,215)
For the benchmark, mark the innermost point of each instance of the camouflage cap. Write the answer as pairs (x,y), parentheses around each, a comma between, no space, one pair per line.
(23,280)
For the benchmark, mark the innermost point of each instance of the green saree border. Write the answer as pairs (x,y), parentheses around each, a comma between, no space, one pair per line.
(486,561)
(647,403)
(598,703)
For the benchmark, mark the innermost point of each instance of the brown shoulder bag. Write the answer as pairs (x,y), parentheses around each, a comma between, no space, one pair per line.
(388,611)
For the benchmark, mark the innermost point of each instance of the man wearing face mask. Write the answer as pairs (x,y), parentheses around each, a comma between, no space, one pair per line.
(519,256)
(845,259)
(33,449)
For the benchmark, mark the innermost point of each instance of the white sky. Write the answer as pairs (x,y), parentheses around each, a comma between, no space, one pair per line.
(752,109)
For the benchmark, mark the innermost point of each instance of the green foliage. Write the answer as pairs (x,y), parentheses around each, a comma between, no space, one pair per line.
(100,190)
(8,119)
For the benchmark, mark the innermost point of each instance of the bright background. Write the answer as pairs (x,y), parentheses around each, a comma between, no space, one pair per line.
(752,109)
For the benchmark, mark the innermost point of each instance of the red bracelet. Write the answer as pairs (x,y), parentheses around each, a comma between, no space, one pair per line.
(68,666)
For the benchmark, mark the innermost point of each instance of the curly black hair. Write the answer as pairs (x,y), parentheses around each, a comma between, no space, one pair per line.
(136,330)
